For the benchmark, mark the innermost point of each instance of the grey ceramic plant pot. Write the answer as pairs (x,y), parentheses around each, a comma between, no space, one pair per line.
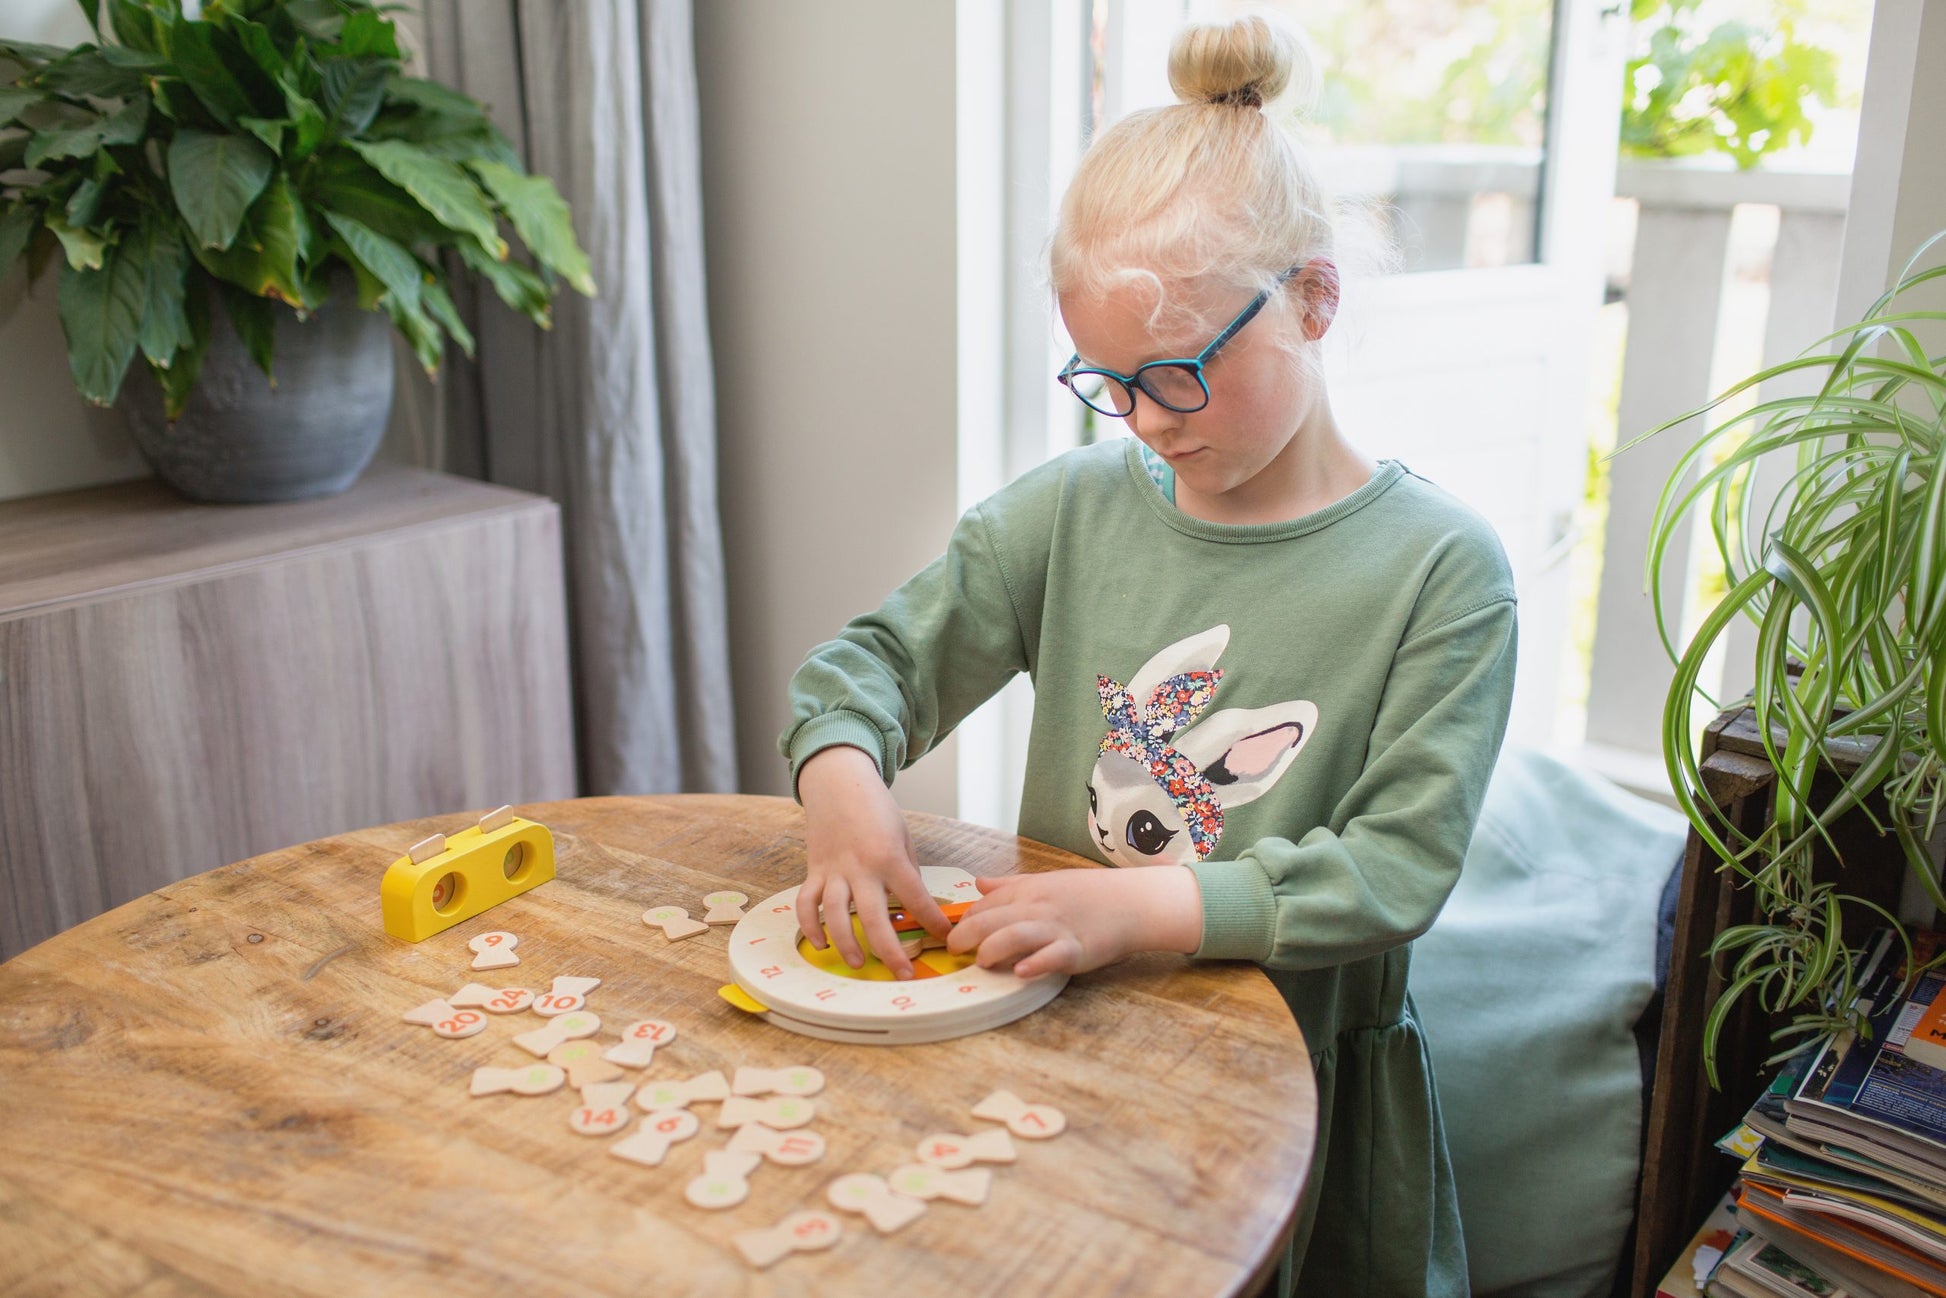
(242,440)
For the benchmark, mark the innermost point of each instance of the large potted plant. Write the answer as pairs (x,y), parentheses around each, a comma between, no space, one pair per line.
(1843,572)
(238,199)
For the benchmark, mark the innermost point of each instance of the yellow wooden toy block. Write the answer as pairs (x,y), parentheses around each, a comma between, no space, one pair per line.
(441,882)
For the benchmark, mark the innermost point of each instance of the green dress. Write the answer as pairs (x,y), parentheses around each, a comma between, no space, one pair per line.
(1304,714)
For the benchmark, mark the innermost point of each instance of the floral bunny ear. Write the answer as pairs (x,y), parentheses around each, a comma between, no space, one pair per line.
(1196,653)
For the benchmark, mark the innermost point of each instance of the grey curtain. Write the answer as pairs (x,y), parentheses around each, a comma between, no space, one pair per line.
(612,411)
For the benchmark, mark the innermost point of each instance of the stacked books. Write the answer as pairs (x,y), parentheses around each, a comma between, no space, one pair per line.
(1843,1185)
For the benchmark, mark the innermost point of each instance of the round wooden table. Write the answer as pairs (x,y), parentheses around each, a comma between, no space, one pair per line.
(211,1089)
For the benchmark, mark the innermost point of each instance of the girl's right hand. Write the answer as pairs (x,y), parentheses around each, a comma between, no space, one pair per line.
(859,852)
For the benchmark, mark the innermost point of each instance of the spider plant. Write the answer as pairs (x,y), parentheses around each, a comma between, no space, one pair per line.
(1844,575)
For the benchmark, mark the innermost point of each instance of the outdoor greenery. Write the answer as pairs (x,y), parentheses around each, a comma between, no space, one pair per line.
(252,155)
(1735,88)
(1844,575)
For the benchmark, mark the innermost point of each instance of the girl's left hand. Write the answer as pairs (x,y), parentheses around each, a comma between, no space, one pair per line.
(1071,921)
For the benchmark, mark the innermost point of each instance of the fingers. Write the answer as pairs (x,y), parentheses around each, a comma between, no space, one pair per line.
(876,919)
(837,922)
(1031,947)
(809,921)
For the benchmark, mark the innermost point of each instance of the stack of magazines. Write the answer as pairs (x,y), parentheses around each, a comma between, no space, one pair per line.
(1843,1185)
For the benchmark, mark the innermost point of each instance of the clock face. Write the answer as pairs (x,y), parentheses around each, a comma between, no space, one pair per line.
(816,993)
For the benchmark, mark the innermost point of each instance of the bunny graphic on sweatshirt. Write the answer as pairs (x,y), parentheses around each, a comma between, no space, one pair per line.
(1166,772)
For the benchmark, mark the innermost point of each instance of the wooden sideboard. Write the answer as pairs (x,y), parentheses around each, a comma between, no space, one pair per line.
(186,685)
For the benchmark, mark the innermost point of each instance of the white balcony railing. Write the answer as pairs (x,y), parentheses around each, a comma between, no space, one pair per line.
(1681,283)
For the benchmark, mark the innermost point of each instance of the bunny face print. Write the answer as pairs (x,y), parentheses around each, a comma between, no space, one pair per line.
(1166,773)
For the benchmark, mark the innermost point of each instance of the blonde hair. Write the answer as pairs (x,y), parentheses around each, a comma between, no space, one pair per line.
(1210,188)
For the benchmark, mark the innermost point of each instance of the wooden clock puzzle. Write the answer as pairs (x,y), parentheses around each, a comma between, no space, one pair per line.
(816,994)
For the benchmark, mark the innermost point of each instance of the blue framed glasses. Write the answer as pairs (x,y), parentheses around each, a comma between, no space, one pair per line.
(1177,384)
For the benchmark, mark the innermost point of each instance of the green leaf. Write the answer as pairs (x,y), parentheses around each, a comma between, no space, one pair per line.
(215,178)
(134,25)
(85,203)
(263,260)
(17,226)
(144,61)
(85,249)
(84,73)
(101,314)
(367,33)
(345,184)
(318,18)
(165,321)
(178,378)
(433,97)
(352,92)
(395,267)
(15,98)
(255,41)
(441,187)
(129,125)
(517,286)
(270,132)
(197,50)
(541,219)
(255,321)
(30,55)
(440,307)
(90,9)
(419,331)
(70,142)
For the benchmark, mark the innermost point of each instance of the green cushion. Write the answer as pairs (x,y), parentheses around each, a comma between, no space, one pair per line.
(1529,987)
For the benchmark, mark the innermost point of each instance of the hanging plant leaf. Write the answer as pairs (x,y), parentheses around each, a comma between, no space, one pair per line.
(15,98)
(393,266)
(165,321)
(442,188)
(85,249)
(101,314)
(17,226)
(215,179)
(263,260)
(542,221)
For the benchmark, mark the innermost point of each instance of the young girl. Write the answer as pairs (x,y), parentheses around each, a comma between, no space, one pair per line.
(1262,663)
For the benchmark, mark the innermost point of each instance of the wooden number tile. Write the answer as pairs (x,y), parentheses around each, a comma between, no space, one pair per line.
(639,1042)
(674,922)
(951,1151)
(565,997)
(724,907)
(922,1181)
(585,1065)
(801,1232)
(494,950)
(782,1112)
(669,1094)
(568,1027)
(796,1080)
(534,1079)
(494,1000)
(862,1192)
(427,848)
(785,1148)
(498,818)
(604,1109)
(445,1021)
(1028,1121)
(649,1144)
(725,1181)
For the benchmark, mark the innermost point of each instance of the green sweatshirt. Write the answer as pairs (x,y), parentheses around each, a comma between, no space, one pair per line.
(1304,714)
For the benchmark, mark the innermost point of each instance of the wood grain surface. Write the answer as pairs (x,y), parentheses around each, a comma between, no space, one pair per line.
(210,1090)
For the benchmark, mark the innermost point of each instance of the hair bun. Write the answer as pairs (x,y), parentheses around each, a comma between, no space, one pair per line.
(1246,62)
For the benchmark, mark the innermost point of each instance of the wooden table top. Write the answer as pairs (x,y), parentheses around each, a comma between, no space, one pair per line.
(211,1089)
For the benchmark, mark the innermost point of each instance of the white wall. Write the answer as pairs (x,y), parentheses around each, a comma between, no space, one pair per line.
(828,177)
(50,439)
